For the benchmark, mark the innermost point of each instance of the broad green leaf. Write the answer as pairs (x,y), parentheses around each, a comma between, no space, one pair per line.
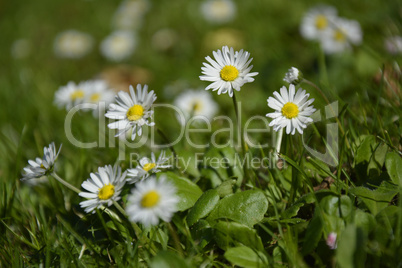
(187,191)
(335,206)
(393,163)
(246,257)
(226,188)
(387,226)
(377,159)
(364,220)
(228,233)
(350,252)
(204,205)
(365,149)
(168,259)
(313,234)
(246,207)
(375,200)
(202,233)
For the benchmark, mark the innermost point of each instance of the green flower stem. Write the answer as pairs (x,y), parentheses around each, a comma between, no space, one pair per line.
(136,228)
(175,238)
(278,144)
(54,175)
(166,140)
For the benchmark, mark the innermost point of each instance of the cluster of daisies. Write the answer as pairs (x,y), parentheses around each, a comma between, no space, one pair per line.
(335,34)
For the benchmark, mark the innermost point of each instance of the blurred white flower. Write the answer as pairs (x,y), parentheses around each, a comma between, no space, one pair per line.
(230,70)
(291,111)
(97,92)
(118,46)
(393,44)
(132,111)
(41,166)
(21,48)
(218,11)
(152,199)
(195,103)
(293,76)
(164,39)
(130,13)
(73,44)
(331,240)
(341,35)
(70,95)
(316,21)
(147,167)
(103,188)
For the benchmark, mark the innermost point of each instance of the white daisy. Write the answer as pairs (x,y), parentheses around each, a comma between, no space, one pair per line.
(218,11)
(70,95)
(118,46)
(147,167)
(130,14)
(230,70)
(73,44)
(291,111)
(150,200)
(41,166)
(342,34)
(316,21)
(196,103)
(293,76)
(103,188)
(96,92)
(393,44)
(132,112)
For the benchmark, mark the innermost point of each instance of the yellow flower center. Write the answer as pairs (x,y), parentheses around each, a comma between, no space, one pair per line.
(197,106)
(95,97)
(339,36)
(106,192)
(229,73)
(77,94)
(135,113)
(148,166)
(321,22)
(290,110)
(150,199)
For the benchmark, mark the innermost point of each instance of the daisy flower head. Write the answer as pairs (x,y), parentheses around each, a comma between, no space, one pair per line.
(218,11)
(118,46)
(196,103)
(293,76)
(70,95)
(96,92)
(152,199)
(73,44)
(341,36)
(41,166)
(230,70)
(132,111)
(292,110)
(103,187)
(147,166)
(316,21)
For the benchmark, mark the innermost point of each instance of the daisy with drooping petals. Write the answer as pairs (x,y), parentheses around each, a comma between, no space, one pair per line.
(316,21)
(132,111)
(230,70)
(147,167)
(103,188)
(291,110)
(152,199)
(341,36)
(196,103)
(41,166)
(293,76)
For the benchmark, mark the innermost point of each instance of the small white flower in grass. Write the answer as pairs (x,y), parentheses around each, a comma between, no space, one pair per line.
(132,111)
(393,44)
(218,11)
(70,95)
(316,21)
(293,76)
(97,92)
(196,103)
(147,167)
(341,36)
(118,46)
(331,240)
(291,111)
(73,44)
(230,70)
(103,188)
(152,199)
(41,166)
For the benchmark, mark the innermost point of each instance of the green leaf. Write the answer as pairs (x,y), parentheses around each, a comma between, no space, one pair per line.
(168,259)
(335,206)
(204,205)
(377,160)
(228,233)
(187,191)
(226,188)
(188,163)
(246,257)
(351,247)
(313,234)
(246,207)
(374,200)
(365,149)
(393,163)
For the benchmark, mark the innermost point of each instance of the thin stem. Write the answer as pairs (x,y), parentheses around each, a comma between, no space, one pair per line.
(119,208)
(175,238)
(278,144)
(54,175)
(167,140)
(238,119)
